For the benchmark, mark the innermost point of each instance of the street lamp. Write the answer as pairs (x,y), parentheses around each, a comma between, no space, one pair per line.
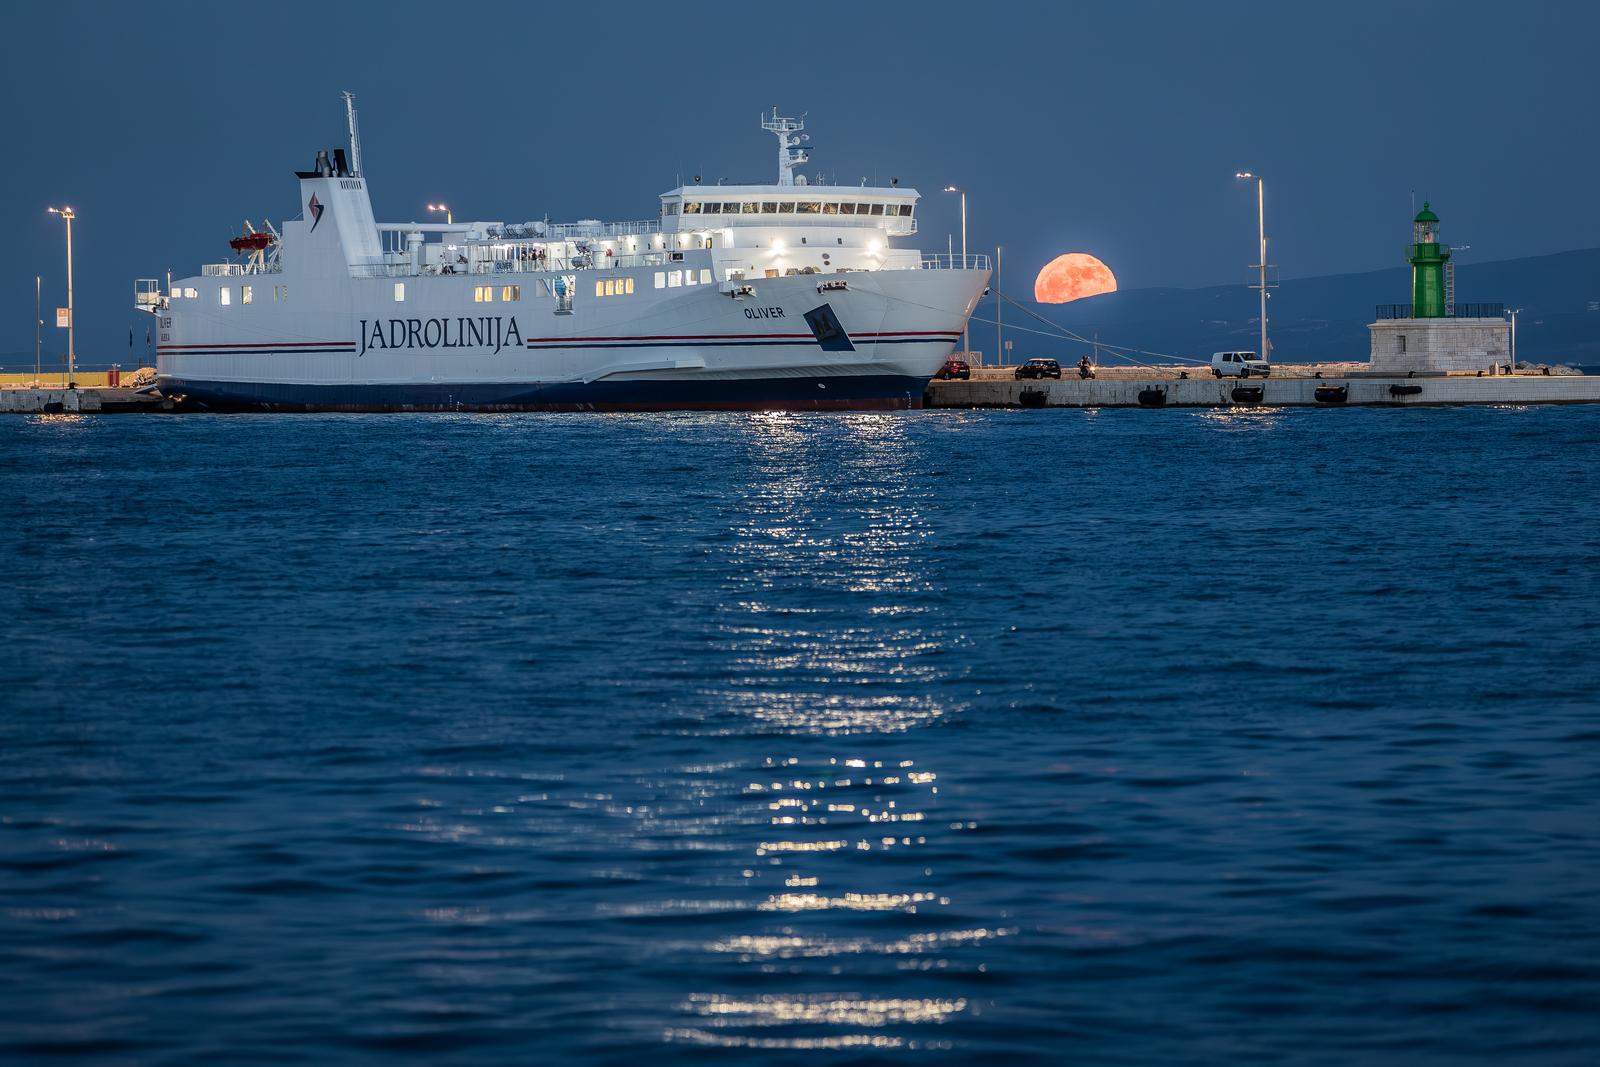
(966,339)
(1513,312)
(68,214)
(1261,229)
(449,219)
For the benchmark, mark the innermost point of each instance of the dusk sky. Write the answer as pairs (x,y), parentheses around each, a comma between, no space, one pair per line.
(1109,128)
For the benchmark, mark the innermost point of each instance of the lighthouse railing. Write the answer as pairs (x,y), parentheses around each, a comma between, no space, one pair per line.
(1459,311)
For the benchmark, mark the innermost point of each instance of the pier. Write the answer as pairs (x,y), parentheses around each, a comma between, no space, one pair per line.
(91,400)
(1301,386)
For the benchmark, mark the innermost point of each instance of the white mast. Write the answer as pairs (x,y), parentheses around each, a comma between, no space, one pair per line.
(790,153)
(355,135)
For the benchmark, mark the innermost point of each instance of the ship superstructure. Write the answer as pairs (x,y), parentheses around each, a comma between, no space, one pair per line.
(787,295)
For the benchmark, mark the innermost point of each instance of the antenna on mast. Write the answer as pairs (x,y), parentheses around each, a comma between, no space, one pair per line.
(790,152)
(355,134)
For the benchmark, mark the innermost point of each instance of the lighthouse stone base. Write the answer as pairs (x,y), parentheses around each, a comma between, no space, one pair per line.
(1440,344)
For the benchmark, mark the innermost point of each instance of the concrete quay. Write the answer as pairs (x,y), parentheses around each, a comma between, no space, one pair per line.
(1363,389)
(97,401)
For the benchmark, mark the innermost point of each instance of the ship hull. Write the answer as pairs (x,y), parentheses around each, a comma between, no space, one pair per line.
(859,392)
(866,341)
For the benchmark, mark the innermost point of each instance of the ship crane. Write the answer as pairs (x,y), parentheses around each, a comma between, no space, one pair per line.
(262,245)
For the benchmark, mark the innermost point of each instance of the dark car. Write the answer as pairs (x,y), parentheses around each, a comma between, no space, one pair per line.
(955,370)
(1039,368)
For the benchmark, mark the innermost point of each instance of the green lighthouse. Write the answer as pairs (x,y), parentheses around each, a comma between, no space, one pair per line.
(1428,258)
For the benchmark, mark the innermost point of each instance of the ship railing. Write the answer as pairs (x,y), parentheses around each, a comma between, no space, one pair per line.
(237,270)
(567,230)
(541,265)
(956,262)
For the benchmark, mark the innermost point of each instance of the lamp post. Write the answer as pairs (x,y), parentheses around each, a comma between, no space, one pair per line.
(38,321)
(966,339)
(449,219)
(68,214)
(1261,230)
(999,306)
(1513,312)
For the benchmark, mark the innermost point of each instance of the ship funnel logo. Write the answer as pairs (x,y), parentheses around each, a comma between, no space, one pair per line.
(315,207)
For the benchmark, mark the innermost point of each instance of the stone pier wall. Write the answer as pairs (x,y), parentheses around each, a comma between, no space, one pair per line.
(1402,345)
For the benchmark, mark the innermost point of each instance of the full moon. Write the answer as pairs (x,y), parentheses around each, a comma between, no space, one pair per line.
(1073,277)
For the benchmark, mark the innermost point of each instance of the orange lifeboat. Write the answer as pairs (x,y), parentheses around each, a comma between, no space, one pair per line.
(251,242)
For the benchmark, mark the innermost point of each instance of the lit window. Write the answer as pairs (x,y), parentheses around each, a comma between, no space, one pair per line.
(246,294)
(705,276)
(627,283)
(691,208)
(483,294)
(661,279)
(225,296)
(511,292)
(399,291)
(786,207)
(674,279)
(830,209)
(599,287)
(810,207)
(177,294)
(751,209)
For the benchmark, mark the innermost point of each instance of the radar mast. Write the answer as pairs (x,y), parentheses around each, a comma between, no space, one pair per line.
(355,134)
(791,153)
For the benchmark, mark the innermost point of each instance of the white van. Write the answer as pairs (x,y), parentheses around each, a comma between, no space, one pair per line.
(1239,365)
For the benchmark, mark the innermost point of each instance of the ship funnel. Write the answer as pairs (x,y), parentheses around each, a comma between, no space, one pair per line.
(340,167)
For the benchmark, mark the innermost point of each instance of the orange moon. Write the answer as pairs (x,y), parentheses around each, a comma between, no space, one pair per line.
(1073,277)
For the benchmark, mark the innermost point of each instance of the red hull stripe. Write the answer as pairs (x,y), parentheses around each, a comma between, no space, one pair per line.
(753,337)
(738,336)
(265,344)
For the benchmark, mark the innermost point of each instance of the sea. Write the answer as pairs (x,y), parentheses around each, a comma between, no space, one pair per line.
(1120,736)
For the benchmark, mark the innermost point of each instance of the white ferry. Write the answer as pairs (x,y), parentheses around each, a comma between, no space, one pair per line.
(781,296)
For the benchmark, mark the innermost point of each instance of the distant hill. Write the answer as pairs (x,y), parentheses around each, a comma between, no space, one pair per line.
(1313,319)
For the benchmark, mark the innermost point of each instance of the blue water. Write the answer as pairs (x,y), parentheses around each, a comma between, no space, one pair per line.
(1117,737)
